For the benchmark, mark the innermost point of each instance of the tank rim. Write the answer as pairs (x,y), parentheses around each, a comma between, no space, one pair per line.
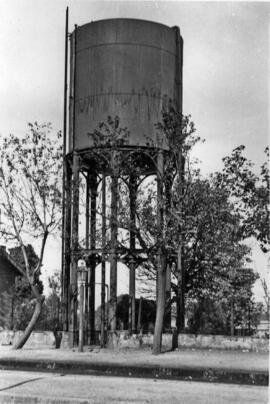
(128,19)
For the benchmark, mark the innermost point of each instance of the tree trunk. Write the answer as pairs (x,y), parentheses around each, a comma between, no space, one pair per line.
(161,261)
(161,302)
(232,319)
(31,325)
(180,303)
(113,247)
(180,296)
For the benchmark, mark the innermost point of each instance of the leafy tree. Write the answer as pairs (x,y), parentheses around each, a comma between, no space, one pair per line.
(30,200)
(250,194)
(215,259)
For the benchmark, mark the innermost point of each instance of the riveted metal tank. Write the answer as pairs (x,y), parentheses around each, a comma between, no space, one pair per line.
(125,67)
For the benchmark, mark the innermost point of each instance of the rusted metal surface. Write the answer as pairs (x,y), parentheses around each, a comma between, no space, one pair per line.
(123,67)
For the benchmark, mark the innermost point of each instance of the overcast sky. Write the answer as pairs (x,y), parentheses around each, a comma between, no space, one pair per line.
(226,64)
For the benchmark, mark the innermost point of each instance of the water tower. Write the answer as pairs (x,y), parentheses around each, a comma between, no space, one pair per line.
(118,67)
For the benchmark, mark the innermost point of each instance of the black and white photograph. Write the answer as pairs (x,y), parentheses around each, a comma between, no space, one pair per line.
(134,202)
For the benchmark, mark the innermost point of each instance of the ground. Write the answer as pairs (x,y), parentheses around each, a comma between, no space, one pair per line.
(34,387)
(95,376)
(233,360)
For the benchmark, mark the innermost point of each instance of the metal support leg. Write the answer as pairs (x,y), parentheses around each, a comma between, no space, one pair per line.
(92,280)
(74,243)
(103,262)
(66,236)
(132,267)
(87,245)
(113,254)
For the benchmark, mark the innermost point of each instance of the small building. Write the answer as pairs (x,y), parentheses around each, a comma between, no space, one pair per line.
(9,271)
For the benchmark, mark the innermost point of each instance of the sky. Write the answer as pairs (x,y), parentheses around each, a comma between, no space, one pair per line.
(225,72)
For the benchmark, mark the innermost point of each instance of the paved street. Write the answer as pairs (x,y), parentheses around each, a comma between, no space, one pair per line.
(34,387)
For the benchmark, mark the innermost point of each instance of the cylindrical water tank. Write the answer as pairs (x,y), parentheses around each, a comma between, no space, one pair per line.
(125,67)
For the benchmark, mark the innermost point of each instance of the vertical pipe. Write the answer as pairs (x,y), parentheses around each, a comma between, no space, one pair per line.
(75,208)
(87,235)
(87,211)
(103,262)
(64,291)
(65,87)
(74,86)
(132,274)
(132,293)
(67,239)
(180,305)
(113,245)
(74,246)
(179,70)
(92,280)
(81,317)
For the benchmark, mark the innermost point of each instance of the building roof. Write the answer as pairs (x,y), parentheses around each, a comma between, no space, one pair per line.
(4,254)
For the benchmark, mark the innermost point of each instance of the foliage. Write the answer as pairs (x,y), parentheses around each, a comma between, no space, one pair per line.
(208,219)
(215,259)
(213,252)
(55,284)
(31,181)
(249,193)
(22,313)
(30,199)
(213,316)
(49,319)
(22,287)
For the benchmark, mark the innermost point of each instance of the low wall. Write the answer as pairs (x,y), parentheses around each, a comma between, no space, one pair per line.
(38,339)
(123,340)
(222,342)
